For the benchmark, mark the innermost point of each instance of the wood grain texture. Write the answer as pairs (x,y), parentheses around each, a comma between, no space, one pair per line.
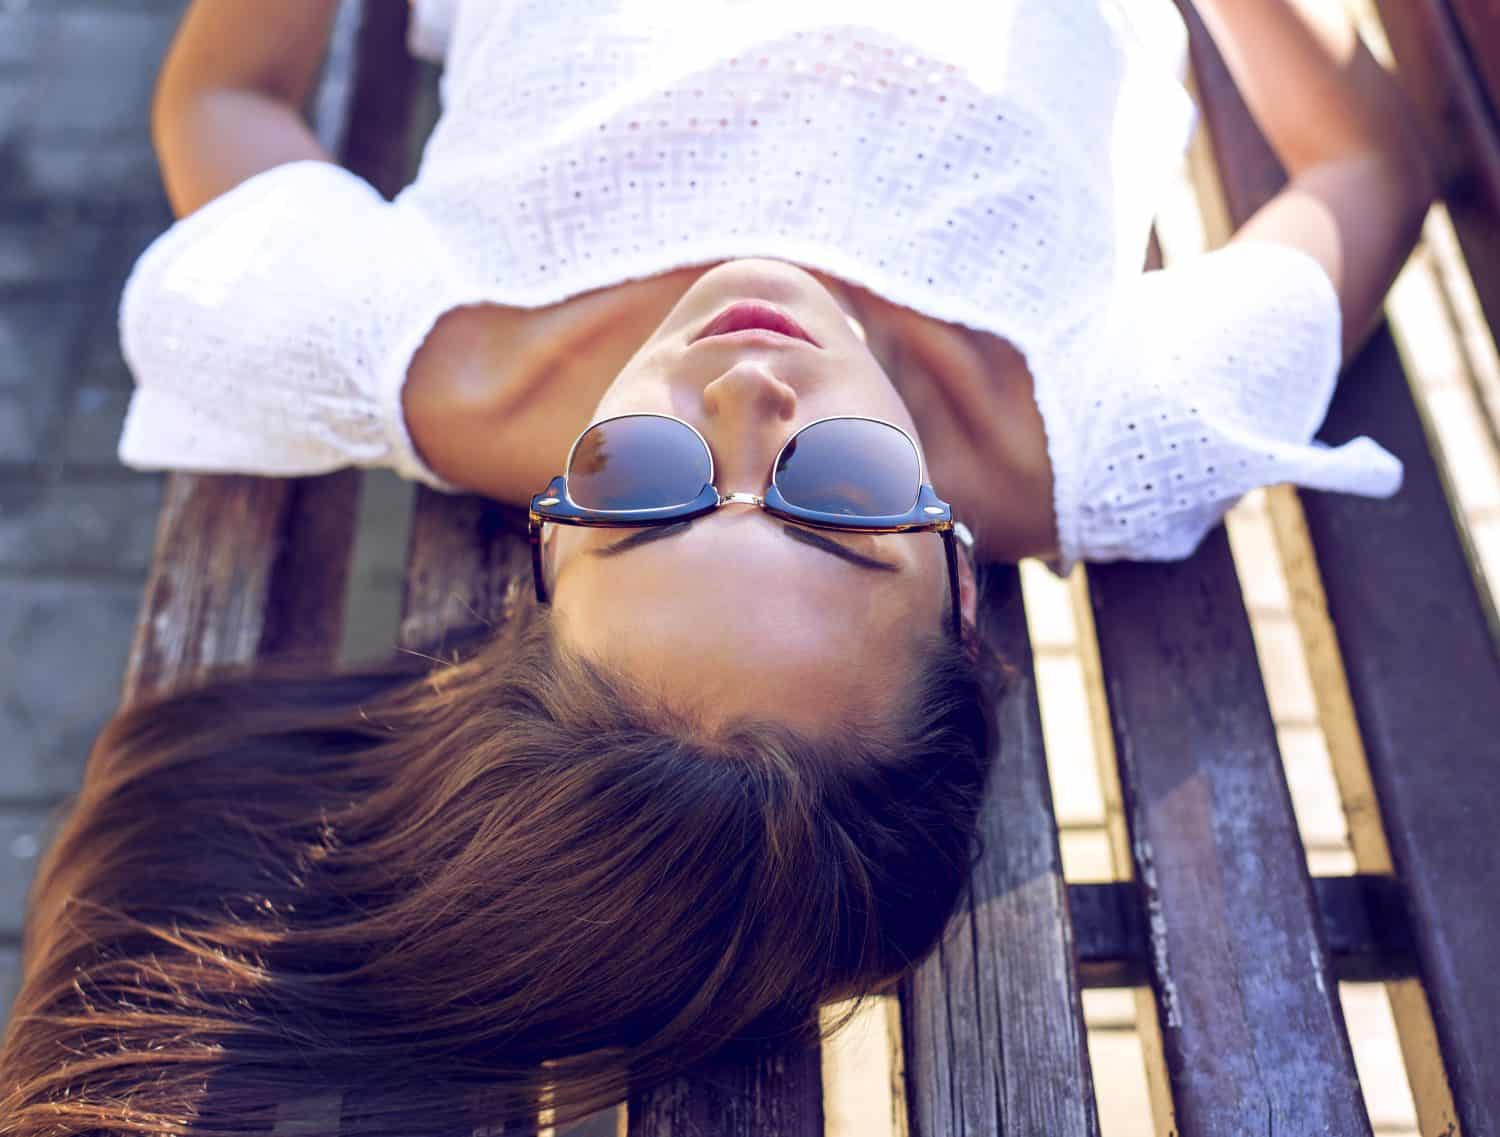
(1423,670)
(247,567)
(778,1094)
(1424,675)
(206,597)
(1253,1037)
(993,1022)
(468,564)
(1479,27)
(1436,56)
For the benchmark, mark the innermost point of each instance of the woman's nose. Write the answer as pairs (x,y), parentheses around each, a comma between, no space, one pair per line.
(747,393)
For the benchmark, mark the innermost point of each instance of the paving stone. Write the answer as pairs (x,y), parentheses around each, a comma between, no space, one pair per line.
(98,71)
(26,34)
(121,170)
(26,415)
(103,365)
(55,248)
(18,99)
(63,646)
(38,338)
(38,342)
(57,527)
(10,981)
(24,834)
(92,434)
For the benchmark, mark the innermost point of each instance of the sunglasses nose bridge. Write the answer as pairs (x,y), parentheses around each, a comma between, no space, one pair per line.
(738,498)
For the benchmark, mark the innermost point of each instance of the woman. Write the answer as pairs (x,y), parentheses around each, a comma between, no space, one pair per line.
(654,247)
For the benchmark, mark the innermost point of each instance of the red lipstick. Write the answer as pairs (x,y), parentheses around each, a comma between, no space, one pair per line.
(754,315)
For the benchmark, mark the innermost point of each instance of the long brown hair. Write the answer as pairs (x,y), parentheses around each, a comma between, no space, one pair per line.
(445,890)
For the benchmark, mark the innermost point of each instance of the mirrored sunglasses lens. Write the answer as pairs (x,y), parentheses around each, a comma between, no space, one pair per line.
(853,467)
(639,462)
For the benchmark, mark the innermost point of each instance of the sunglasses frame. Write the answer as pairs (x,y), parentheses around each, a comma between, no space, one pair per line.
(928,513)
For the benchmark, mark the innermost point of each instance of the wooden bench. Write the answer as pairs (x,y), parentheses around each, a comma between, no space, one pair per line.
(1241,948)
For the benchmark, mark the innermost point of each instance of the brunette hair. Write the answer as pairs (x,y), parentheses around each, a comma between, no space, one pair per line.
(447,887)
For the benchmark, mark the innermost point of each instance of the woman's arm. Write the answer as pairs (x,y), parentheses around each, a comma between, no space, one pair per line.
(228,99)
(1359,178)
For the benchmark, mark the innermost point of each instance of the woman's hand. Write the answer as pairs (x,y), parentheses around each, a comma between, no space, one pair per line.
(228,99)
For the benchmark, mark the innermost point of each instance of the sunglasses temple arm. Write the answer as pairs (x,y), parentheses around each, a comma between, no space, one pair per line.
(534,532)
(950,550)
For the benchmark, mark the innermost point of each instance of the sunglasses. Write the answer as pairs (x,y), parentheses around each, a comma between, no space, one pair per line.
(850,474)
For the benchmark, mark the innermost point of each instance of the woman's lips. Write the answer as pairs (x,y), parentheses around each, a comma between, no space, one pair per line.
(754,315)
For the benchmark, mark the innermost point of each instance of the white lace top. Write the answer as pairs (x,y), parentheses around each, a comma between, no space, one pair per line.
(995,166)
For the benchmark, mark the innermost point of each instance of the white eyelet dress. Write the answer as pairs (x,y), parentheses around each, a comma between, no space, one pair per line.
(995,166)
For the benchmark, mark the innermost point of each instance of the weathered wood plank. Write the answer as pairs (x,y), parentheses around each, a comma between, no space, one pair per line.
(247,567)
(993,1022)
(1436,69)
(1253,1038)
(206,597)
(1423,670)
(468,564)
(1479,25)
(1424,675)
(779,1094)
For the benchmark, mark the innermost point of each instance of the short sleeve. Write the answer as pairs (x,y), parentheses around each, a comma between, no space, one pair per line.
(430,30)
(271,330)
(1213,376)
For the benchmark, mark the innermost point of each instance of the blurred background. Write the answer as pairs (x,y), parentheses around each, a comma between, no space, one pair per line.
(80,198)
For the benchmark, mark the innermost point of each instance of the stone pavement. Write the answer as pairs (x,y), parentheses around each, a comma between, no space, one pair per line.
(80,197)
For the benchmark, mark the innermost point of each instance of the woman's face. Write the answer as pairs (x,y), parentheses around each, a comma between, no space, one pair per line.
(735,612)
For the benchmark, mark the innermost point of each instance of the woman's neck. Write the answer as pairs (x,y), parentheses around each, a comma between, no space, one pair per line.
(496,396)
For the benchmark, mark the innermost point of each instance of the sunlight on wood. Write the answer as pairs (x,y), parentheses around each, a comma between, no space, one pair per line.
(1118,1057)
(863,1073)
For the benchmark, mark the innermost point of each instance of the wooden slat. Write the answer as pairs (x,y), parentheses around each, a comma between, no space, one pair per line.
(247,567)
(205,601)
(1253,1037)
(779,1094)
(468,560)
(1424,676)
(465,563)
(994,1034)
(1479,23)
(1436,70)
(1423,670)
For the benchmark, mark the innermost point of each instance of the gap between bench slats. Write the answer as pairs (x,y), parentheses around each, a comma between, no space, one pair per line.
(1423,670)
(993,1024)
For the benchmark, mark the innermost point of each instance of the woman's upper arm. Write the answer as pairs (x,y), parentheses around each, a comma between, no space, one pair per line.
(1360,178)
(228,98)
(1359,218)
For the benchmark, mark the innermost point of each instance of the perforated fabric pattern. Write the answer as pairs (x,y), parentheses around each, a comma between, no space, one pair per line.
(995,166)
(1209,382)
(258,348)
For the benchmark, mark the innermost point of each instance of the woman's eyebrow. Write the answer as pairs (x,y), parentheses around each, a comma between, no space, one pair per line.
(796,532)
